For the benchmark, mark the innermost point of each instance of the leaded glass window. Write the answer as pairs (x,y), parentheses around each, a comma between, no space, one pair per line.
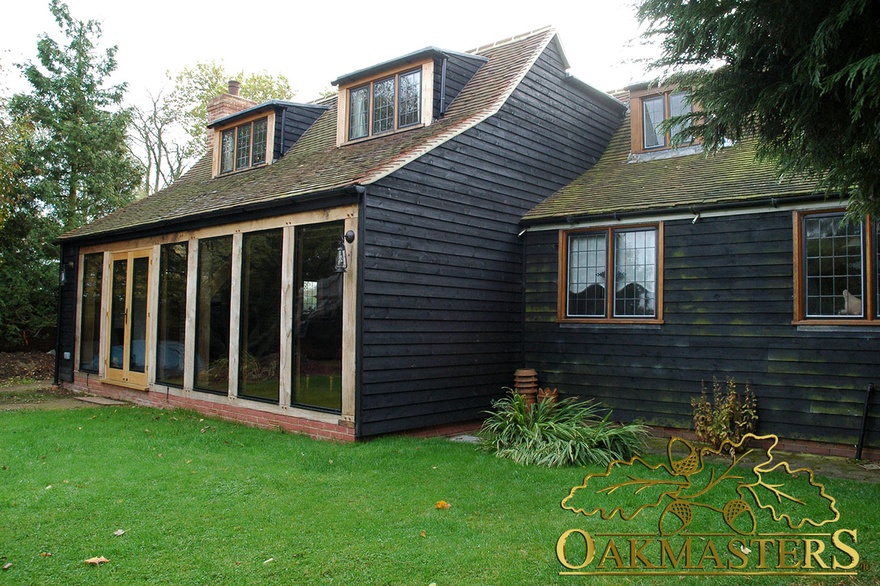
(261,133)
(383,105)
(833,266)
(409,101)
(227,151)
(243,147)
(654,113)
(359,112)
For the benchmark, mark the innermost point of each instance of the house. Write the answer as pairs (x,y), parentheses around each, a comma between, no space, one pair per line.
(346,268)
(661,268)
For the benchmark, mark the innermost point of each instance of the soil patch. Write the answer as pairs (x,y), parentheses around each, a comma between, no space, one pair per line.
(21,366)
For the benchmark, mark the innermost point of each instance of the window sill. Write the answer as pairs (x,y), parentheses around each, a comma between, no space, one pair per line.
(653,324)
(384,134)
(237,171)
(835,325)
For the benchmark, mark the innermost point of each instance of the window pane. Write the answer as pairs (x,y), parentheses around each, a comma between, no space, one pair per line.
(140,278)
(212,314)
(678,106)
(358,112)
(243,147)
(172,313)
(383,105)
(635,273)
(227,151)
(409,101)
(261,129)
(318,318)
(832,266)
(118,314)
(653,114)
(260,345)
(587,275)
(90,322)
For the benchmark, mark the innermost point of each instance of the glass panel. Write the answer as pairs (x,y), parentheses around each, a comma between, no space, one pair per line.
(118,314)
(140,278)
(172,313)
(635,273)
(409,101)
(653,114)
(90,322)
(261,129)
(212,314)
(678,106)
(587,255)
(358,112)
(227,150)
(833,266)
(383,105)
(243,147)
(318,318)
(260,315)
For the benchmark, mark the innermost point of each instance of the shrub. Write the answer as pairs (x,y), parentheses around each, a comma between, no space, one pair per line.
(557,433)
(728,416)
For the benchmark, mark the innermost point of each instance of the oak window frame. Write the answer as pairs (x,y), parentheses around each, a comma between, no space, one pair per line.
(357,117)
(868,279)
(638,101)
(244,144)
(610,315)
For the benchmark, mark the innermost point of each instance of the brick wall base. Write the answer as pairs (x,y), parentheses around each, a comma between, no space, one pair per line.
(249,414)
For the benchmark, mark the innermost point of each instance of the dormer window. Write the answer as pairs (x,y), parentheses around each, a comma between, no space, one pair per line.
(245,145)
(385,105)
(650,108)
(385,99)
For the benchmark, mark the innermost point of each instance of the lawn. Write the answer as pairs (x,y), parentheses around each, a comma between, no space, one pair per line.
(203,501)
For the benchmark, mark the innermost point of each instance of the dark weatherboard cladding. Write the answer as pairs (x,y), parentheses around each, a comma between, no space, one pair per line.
(442,289)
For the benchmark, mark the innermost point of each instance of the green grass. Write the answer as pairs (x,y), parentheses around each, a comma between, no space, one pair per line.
(208,502)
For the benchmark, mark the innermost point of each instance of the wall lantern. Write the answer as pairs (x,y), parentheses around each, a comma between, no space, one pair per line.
(341,253)
(65,267)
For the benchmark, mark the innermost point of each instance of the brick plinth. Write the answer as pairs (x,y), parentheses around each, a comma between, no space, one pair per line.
(246,414)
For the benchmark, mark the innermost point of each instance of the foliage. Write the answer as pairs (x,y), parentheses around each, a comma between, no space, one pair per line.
(803,77)
(557,433)
(727,417)
(80,165)
(63,162)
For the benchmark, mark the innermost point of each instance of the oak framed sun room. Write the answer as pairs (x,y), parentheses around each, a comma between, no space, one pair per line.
(254,313)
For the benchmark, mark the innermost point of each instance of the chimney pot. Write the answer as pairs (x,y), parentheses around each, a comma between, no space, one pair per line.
(234,86)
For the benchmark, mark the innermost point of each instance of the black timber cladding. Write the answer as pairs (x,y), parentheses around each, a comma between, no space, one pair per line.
(728,311)
(460,68)
(441,261)
(64,350)
(291,122)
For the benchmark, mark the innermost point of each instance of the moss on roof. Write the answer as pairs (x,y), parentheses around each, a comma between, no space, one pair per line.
(315,165)
(617,185)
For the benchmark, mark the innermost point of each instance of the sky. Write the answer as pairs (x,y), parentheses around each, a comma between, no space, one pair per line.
(315,41)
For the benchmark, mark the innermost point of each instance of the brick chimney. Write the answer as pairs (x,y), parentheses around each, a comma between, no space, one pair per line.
(226,105)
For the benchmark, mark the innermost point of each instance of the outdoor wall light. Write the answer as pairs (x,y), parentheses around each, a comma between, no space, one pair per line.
(341,253)
(68,266)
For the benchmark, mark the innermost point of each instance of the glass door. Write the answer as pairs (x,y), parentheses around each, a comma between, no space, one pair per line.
(126,356)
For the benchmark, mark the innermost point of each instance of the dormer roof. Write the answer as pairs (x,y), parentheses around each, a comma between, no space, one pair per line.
(315,167)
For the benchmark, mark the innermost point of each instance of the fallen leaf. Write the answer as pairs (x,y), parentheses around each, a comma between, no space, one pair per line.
(745,550)
(331,461)
(48,487)
(45,554)
(442,505)
(119,532)
(97,561)
(269,561)
(423,533)
(7,566)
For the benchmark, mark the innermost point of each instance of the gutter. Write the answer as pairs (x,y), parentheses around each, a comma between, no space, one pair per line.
(696,209)
(215,217)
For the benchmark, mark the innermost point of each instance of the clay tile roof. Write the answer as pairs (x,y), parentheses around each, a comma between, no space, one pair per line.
(616,185)
(315,165)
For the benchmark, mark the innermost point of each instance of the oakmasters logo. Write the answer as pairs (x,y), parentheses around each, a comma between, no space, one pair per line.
(730,511)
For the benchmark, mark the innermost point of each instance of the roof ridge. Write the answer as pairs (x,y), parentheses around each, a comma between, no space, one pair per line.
(512,39)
